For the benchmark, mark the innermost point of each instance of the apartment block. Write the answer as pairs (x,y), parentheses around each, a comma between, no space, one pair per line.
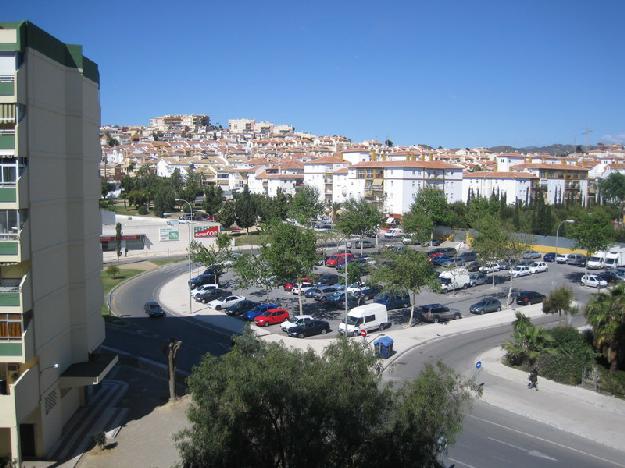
(514,186)
(50,257)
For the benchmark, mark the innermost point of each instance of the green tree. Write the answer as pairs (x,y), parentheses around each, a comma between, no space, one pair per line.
(245,209)
(355,272)
(434,203)
(291,253)
(528,342)
(265,406)
(213,199)
(612,189)
(605,313)
(357,218)
(176,181)
(254,271)
(164,200)
(406,272)
(493,241)
(305,205)
(214,255)
(560,301)
(593,231)
(112,271)
(419,225)
(227,214)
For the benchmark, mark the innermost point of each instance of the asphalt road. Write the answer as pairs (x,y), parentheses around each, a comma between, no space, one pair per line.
(145,337)
(492,437)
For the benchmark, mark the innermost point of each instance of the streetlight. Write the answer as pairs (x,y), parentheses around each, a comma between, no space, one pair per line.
(567,221)
(189,248)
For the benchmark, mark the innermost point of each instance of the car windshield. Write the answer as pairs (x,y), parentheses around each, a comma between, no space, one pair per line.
(153,306)
(445,280)
(355,321)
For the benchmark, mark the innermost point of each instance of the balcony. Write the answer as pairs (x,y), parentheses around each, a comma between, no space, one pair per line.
(18,349)
(19,397)
(7,140)
(14,248)
(15,295)
(7,88)
(14,196)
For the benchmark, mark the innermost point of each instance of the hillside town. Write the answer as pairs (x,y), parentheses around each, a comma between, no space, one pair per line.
(268,157)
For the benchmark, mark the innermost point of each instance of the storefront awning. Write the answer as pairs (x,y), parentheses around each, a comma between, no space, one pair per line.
(91,372)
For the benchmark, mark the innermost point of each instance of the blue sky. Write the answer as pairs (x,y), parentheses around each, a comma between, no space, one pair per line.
(440,72)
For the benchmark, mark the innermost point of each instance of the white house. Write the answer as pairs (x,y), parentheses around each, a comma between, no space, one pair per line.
(319,172)
(559,183)
(513,185)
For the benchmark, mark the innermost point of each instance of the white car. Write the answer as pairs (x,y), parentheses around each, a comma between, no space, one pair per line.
(294,321)
(562,258)
(490,267)
(302,288)
(520,270)
(225,301)
(203,288)
(538,267)
(394,233)
(593,281)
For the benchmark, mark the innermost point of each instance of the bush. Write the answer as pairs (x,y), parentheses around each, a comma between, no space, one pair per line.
(569,355)
(612,382)
(143,210)
(112,271)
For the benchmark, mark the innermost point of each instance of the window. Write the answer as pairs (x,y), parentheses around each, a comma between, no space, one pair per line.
(10,326)
(369,318)
(10,170)
(11,222)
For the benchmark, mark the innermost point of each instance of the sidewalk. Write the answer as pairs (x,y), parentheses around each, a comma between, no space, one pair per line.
(173,296)
(572,409)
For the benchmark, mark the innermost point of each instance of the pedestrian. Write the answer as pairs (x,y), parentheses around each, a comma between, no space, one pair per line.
(126,252)
(533,379)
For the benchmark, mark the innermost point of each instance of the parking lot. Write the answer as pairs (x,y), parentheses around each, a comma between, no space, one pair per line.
(558,275)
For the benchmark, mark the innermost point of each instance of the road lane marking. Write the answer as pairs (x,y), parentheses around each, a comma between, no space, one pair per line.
(534,453)
(557,444)
(458,462)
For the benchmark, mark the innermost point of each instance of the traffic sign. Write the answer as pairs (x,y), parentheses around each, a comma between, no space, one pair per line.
(478,364)
(363,333)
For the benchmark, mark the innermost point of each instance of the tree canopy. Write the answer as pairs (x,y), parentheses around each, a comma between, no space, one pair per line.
(263,405)
(358,217)
(593,231)
(305,205)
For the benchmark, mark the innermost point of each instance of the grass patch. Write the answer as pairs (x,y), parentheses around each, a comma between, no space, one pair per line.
(166,261)
(251,239)
(109,283)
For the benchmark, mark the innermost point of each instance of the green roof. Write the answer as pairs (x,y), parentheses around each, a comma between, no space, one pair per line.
(69,55)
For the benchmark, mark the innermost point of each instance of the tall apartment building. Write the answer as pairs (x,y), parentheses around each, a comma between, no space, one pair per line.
(50,257)
(178,121)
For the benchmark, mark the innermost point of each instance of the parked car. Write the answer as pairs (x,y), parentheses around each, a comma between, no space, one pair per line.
(201,279)
(472,266)
(302,288)
(393,301)
(203,288)
(394,233)
(593,281)
(468,256)
(259,310)
(225,301)
(334,260)
(576,260)
(489,267)
(611,276)
(485,306)
(409,240)
(549,257)
(318,291)
(240,308)
(520,270)
(289,285)
(153,309)
(293,321)
(364,290)
(562,258)
(309,328)
(477,278)
(538,267)
(337,300)
(327,279)
(531,255)
(529,297)
(442,261)
(356,244)
(435,313)
(209,295)
(271,317)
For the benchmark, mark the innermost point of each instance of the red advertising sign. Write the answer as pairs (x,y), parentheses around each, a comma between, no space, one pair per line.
(205,231)
(363,333)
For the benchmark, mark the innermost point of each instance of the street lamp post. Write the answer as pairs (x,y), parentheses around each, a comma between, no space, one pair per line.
(189,247)
(567,221)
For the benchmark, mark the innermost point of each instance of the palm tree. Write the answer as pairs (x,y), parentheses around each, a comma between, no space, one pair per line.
(606,314)
(528,341)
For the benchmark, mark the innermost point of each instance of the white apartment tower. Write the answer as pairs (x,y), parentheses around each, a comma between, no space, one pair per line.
(50,257)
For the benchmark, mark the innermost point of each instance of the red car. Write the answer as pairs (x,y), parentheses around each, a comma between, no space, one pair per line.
(334,260)
(271,317)
(289,285)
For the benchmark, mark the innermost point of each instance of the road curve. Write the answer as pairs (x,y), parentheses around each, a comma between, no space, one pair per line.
(492,437)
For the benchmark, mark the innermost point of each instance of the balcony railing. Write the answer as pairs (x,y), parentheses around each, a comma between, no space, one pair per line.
(14,246)
(15,293)
(7,85)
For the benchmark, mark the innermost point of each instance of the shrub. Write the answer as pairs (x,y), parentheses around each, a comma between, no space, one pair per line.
(143,210)
(112,271)
(612,382)
(569,356)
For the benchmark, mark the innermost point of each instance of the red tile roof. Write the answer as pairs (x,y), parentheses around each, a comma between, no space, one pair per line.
(406,164)
(499,175)
(560,167)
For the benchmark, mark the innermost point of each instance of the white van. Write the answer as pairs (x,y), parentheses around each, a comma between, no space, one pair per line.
(456,278)
(369,317)
(596,261)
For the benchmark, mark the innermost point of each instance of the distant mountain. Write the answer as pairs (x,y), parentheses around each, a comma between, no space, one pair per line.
(556,150)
